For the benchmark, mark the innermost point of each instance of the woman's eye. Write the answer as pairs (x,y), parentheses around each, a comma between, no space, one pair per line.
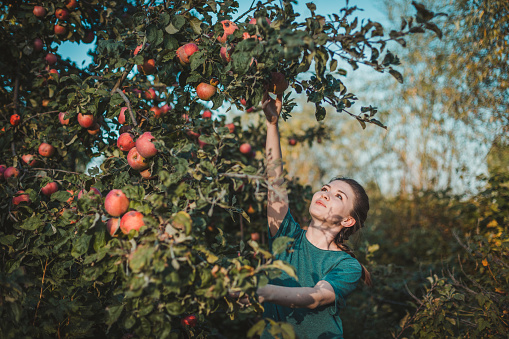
(324,189)
(339,196)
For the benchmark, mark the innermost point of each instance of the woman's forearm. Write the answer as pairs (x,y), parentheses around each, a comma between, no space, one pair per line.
(273,154)
(294,297)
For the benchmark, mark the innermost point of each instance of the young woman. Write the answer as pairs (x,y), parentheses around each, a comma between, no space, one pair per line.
(326,268)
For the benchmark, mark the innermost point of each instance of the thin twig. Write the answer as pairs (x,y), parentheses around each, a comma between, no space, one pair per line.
(122,78)
(53,169)
(40,295)
(133,118)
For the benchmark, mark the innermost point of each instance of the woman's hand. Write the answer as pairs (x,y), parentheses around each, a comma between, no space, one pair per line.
(272,108)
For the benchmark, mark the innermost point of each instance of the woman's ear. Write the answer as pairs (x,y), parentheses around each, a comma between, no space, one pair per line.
(348,222)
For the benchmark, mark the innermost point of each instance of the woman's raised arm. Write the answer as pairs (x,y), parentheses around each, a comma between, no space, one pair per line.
(277,197)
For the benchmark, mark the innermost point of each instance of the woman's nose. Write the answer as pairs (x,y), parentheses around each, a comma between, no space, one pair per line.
(325,196)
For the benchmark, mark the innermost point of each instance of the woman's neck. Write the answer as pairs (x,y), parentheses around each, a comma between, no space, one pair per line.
(322,236)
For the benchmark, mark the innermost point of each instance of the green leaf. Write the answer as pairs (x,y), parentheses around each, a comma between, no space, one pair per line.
(396,75)
(113,313)
(281,244)
(256,329)
(32,223)
(80,245)
(195,24)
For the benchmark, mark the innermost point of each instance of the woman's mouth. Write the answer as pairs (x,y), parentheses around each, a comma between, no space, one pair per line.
(320,203)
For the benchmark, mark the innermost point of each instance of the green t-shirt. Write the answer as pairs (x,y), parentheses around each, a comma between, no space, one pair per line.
(312,264)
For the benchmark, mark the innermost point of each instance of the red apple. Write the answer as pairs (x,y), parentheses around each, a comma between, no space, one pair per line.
(137,49)
(89,37)
(125,142)
(29,159)
(166,108)
(116,203)
(39,11)
(253,21)
(132,220)
(156,111)
(185,117)
(245,148)
(150,94)
(15,119)
(278,83)
(121,116)
(205,91)
(11,172)
(21,197)
(62,119)
(59,29)
(135,160)
(148,67)
(46,150)
(231,127)
(229,27)
(193,134)
(145,146)
(206,114)
(53,71)
(94,190)
(49,188)
(38,45)
(94,129)
(225,54)
(112,225)
(202,143)
(184,52)
(255,236)
(86,120)
(292,142)
(71,4)
(146,174)
(250,109)
(189,320)
(62,14)
(51,58)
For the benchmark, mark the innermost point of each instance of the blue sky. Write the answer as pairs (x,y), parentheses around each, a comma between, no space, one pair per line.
(371,9)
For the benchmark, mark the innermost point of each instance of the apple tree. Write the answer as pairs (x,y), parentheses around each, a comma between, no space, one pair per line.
(154,241)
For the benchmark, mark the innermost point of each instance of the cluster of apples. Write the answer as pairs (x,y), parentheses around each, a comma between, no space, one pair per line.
(116,204)
(60,28)
(139,151)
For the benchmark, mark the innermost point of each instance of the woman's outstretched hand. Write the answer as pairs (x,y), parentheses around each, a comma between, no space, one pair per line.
(272,108)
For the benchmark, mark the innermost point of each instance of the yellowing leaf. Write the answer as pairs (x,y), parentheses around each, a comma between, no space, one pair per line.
(485,262)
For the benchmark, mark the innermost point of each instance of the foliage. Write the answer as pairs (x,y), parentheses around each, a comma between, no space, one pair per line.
(63,271)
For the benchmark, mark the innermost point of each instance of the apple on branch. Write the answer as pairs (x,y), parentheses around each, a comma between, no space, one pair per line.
(136,161)
(125,142)
(205,91)
(49,188)
(62,119)
(39,11)
(94,190)
(116,203)
(20,197)
(46,150)
(11,172)
(86,120)
(229,27)
(145,146)
(132,220)
(185,51)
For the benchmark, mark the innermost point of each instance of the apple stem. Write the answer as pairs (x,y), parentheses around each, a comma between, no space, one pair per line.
(42,285)
(133,118)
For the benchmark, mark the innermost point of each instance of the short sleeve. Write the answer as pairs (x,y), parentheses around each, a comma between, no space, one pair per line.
(288,228)
(343,279)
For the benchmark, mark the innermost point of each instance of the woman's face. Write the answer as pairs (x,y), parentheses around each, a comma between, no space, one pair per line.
(332,203)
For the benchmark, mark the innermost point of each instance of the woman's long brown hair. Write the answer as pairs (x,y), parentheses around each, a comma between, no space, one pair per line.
(359,213)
